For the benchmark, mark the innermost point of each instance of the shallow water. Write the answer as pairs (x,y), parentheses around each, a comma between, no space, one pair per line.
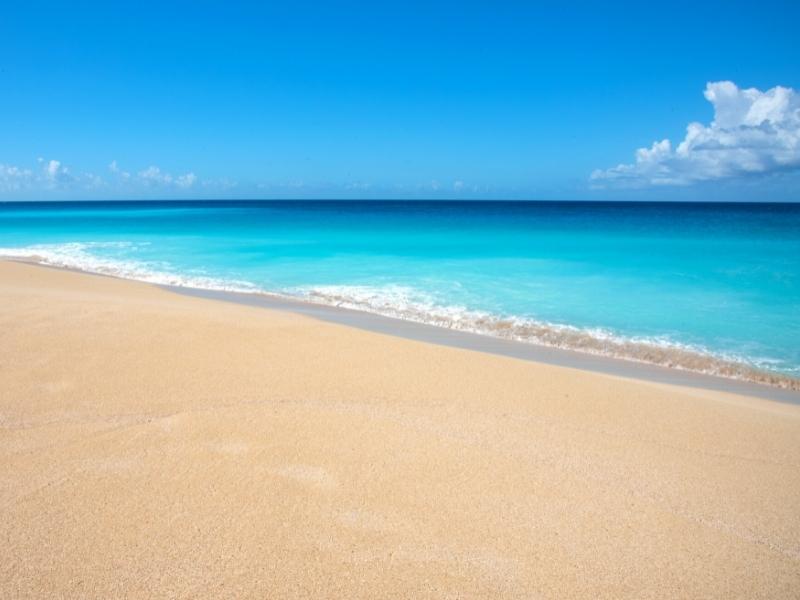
(706,287)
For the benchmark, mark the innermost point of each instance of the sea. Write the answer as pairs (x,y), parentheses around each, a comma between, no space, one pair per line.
(706,287)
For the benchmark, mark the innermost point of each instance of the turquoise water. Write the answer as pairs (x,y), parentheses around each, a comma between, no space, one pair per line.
(708,287)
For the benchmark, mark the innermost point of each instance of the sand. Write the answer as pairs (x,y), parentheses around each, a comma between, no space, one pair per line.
(159,445)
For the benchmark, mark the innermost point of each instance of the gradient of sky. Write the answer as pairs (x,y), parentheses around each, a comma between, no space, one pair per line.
(391,100)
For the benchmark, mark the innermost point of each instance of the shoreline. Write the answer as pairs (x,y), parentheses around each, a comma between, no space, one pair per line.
(529,332)
(480,342)
(731,314)
(154,442)
(574,359)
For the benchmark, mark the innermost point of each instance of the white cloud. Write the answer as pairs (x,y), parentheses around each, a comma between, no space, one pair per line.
(753,132)
(52,168)
(52,176)
(114,168)
(186,181)
(13,178)
(94,181)
(154,176)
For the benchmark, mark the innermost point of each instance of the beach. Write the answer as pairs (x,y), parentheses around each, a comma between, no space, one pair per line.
(709,288)
(154,444)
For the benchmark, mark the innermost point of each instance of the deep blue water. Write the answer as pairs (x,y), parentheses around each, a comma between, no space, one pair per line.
(644,280)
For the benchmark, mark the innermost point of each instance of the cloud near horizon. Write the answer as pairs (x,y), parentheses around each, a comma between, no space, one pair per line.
(50,175)
(52,179)
(753,133)
(53,176)
(154,176)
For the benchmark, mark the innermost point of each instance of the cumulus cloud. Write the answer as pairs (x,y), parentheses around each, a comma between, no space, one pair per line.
(51,176)
(114,168)
(186,181)
(753,132)
(14,178)
(154,176)
(54,174)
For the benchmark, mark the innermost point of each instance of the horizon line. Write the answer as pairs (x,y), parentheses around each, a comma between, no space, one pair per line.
(408,200)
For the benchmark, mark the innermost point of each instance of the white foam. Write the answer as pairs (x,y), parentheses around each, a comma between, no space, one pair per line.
(78,256)
(408,303)
(412,305)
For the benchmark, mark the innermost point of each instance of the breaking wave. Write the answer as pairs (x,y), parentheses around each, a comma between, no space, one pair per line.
(78,256)
(405,303)
(402,302)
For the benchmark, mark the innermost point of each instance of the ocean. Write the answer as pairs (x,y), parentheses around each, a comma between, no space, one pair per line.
(708,287)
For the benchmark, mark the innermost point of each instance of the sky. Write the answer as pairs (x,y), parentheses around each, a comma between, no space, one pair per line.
(452,100)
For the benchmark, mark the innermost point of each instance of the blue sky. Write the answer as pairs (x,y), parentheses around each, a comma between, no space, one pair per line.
(399,100)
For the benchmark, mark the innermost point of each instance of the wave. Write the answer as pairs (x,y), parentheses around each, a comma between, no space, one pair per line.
(407,303)
(78,256)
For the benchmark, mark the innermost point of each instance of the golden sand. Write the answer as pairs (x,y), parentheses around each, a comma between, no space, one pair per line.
(156,445)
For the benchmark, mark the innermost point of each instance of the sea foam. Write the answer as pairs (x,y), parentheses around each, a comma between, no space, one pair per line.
(410,304)
(78,256)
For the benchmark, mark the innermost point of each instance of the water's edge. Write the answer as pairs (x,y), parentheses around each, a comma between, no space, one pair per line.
(493,345)
(529,341)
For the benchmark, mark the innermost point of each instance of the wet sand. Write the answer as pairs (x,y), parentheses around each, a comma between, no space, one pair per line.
(159,445)
(444,336)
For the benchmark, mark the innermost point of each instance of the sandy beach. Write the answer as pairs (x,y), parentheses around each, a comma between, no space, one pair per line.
(159,445)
